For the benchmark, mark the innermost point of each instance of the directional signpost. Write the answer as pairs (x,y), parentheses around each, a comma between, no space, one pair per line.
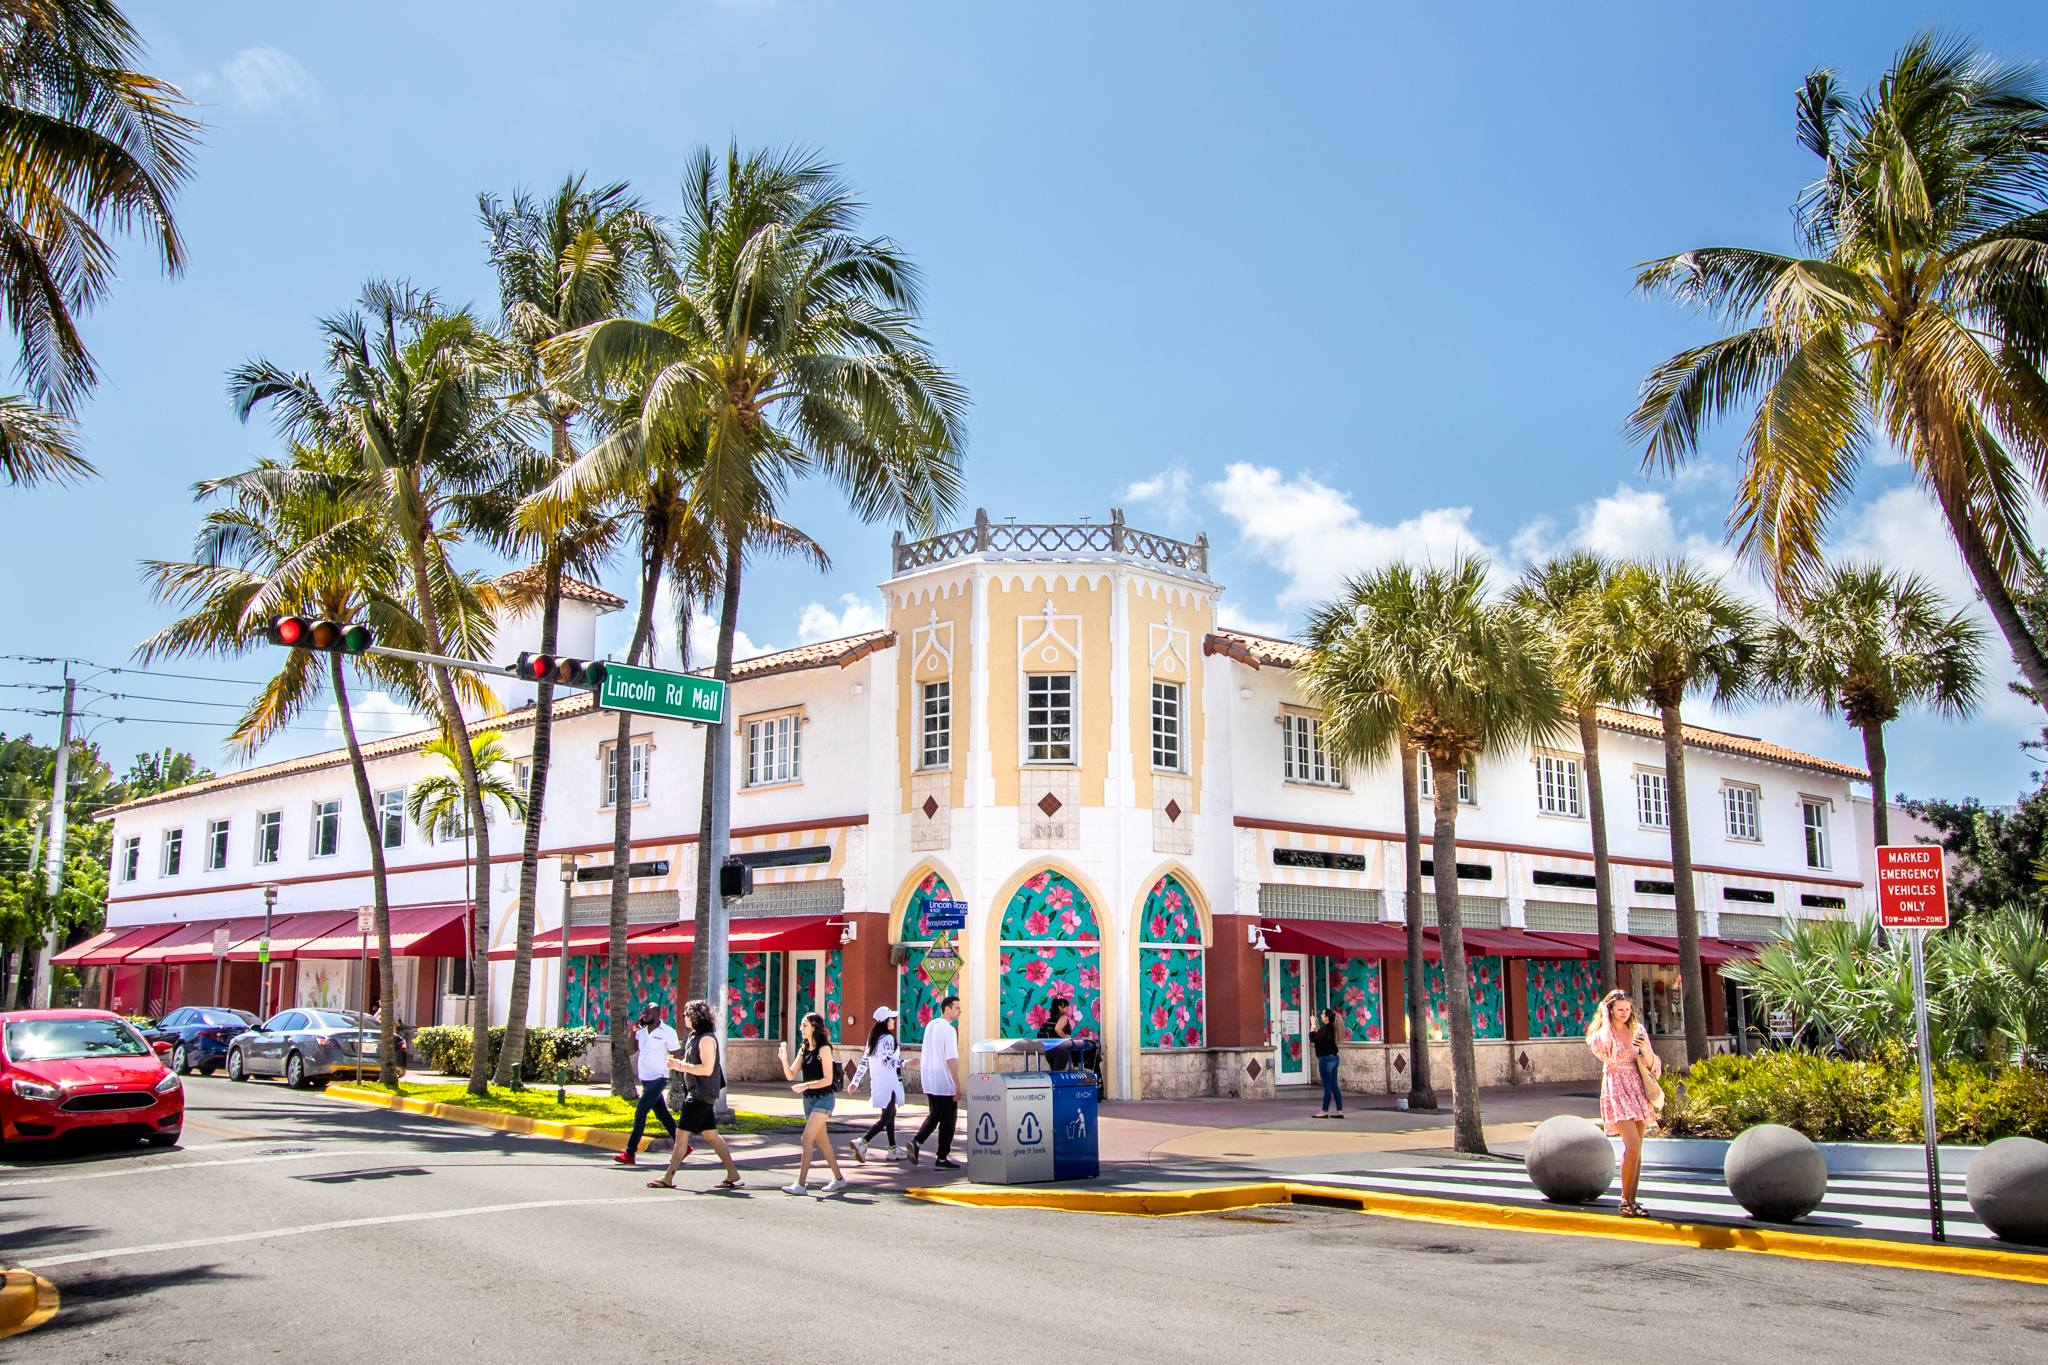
(1912,895)
(673,696)
(942,960)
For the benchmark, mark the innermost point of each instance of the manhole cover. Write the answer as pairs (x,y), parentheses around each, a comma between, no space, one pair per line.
(1445,1249)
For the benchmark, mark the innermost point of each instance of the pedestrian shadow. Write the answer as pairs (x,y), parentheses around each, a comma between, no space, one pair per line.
(95,1298)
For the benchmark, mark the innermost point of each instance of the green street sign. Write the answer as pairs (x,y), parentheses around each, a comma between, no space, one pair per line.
(675,696)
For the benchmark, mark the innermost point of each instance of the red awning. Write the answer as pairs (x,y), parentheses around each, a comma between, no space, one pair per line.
(245,930)
(758,934)
(1626,948)
(585,940)
(1713,951)
(1339,938)
(107,949)
(289,933)
(182,936)
(1513,943)
(416,931)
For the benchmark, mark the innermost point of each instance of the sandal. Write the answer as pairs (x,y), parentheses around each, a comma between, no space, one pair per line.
(731,1184)
(661,1184)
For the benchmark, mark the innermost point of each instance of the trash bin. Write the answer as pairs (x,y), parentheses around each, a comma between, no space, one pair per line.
(1028,1126)
(1075,1153)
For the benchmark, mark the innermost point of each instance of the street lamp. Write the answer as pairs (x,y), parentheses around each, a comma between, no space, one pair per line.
(263,949)
(568,867)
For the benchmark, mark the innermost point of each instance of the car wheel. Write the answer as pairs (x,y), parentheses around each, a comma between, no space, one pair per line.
(237,1071)
(180,1063)
(295,1071)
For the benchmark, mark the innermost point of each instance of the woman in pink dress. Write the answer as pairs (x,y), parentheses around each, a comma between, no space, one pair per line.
(1617,1039)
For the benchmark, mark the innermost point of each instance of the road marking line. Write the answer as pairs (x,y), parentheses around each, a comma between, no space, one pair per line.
(45,1262)
(495,1159)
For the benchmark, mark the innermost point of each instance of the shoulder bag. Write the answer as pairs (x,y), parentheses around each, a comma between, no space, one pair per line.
(1651,1090)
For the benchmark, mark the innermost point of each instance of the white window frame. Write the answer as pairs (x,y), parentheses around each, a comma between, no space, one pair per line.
(1821,831)
(1305,757)
(390,803)
(1645,779)
(1425,773)
(935,725)
(1169,723)
(131,858)
(1735,811)
(171,858)
(323,812)
(216,845)
(1073,722)
(1558,785)
(639,776)
(269,837)
(772,749)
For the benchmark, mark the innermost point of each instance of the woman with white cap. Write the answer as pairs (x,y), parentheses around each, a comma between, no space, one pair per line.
(883,1065)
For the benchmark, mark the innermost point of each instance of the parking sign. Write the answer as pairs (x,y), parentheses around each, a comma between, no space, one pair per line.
(1912,887)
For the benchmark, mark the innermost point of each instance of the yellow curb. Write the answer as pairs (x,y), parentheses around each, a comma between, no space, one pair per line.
(2002,1265)
(27,1301)
(481,1118)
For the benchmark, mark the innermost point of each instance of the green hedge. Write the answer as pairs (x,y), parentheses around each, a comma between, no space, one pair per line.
(446,1048)
(1833,1100)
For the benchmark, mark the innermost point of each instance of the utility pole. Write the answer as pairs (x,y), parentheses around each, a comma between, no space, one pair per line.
(53,867)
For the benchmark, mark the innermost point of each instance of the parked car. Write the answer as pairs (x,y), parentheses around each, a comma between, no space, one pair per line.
(66,1073)
(198,1035)
(306,1047)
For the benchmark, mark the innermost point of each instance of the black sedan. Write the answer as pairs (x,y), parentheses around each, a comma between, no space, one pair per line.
(306,1047)
(199,1035)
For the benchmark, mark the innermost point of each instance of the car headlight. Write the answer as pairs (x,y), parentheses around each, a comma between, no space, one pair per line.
(33,1090)
(166,1085)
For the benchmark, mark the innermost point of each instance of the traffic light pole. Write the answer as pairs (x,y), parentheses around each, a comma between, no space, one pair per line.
(414,656)
(53,867)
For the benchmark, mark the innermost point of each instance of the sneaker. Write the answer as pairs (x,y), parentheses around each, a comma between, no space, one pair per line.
(625,1159)
(795,1188)
(895,1154)
(833,1186)
(913,1153)
(860,1150)
(946,1164)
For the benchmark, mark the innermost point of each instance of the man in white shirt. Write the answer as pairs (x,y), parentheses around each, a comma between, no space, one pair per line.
(939,1072)
(653,1044)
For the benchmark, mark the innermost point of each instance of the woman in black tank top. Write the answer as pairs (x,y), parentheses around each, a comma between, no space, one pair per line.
(812,1069)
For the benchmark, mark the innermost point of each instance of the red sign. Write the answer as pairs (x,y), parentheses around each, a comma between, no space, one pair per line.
(1912,887)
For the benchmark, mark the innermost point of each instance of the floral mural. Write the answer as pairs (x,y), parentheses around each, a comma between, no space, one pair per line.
(1171,994)
(805,994)
(1489,998)
(914,995)
(651,979)
(1351,986)
(932,888)
(1562,997)
(755,984)
(1051,950)
(1290,999)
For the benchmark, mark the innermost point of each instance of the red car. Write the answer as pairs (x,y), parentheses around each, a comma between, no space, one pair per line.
(67,1073)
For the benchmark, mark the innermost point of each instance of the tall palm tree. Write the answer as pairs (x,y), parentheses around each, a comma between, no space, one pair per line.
(564,262)
(783,347)
(1463,676)
(308,536)
(1916,315)
(1669,631)
(413,397)
(1552,594)
(87,144)
(1874,642)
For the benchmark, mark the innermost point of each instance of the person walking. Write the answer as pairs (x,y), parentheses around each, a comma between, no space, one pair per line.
(653,1043)
(883,1065)
(1619,1041)
(811,1069)
(938,1072)
(704,1077)
(1324,1040)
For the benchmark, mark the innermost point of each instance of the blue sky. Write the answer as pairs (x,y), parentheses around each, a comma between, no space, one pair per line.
(1332,282)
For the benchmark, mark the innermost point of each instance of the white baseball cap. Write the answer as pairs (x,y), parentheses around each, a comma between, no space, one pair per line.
(883,1012)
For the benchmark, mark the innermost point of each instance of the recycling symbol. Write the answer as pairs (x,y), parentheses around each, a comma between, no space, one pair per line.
(985,1130)
(1027,1131)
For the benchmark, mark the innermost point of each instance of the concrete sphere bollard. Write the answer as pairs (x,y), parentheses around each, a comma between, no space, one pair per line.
(2008,1185)
(1776,1173)
(1570,1160)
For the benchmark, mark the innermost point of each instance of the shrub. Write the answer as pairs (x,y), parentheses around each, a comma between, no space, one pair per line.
(446,1048)
(1834,1100)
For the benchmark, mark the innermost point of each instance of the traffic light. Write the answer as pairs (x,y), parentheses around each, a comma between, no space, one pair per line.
(330,637)
(735,879)
(562,672)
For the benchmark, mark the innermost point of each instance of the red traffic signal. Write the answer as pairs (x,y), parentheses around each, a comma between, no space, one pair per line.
(331,637)
(562,672)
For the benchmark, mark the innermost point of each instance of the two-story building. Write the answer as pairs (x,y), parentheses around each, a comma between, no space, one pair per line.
(1137,808)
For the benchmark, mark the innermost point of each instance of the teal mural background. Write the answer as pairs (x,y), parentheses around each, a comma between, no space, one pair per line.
(1351,986)
(1562,997)
(1050,949)
(1172,996)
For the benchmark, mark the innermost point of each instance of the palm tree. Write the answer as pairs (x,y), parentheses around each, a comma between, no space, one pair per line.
(1461,676)
(1915,315)
(563,263)
(413,399)
(1552,594)
(1669,631)
(1873,643)
(783,347)
(307,536)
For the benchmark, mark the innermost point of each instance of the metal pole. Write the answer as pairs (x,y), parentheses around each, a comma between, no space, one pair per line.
(53,866)
(1928,1134)
(713,846)
(263,953)
(568,867)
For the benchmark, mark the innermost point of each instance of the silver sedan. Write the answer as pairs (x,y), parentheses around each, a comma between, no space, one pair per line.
(306,1047)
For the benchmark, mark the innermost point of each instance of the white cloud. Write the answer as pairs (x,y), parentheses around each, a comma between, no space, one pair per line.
(819,622)
(1166,490)
(376,715)
(265,76)
(1903,530)
(1230,617)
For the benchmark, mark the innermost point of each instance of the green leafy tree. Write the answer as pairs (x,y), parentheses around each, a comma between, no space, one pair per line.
(1915,315)
(1998,853)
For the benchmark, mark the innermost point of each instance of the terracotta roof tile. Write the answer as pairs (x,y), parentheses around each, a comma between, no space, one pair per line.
(844,652)
(1264,648)
(574,589)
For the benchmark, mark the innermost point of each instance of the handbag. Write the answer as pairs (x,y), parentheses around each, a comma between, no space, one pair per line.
(1652,1091)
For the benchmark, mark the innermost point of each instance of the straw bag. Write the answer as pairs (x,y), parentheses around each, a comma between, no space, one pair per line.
(1651,1090)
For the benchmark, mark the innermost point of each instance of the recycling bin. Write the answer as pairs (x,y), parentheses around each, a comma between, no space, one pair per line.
(1076,1154)
(1026,1127)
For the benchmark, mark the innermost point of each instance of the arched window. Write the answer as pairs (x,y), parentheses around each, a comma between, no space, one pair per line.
(914,994)
(1050,950)
(1170,977)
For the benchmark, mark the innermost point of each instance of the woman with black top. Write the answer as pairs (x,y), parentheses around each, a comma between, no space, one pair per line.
(1060,1027)
(1325,1041)
(811,1069)
(704,1077)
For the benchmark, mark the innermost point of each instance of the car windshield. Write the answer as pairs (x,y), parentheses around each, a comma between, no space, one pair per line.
(61,1040)
(336,1019)
(223,1018)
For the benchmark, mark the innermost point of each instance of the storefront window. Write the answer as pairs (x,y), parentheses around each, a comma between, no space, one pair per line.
(754,981)
(1351,986)
(814,989)
(1170,977)
(651,979)
(1562,997)
(1050,950)
(1660,999)
(1489,998)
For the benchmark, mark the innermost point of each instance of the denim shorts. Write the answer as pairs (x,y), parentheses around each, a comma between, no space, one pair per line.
(817,1102)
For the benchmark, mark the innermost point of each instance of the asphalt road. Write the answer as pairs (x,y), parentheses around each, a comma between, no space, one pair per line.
(301,1229)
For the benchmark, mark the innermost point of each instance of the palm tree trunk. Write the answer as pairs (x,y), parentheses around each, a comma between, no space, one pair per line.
(2026,650)
(1468,1135)
(1692,981)
(1421,1093)
(715,822)
(622,828)
(513,1053)
(1596,815)
(387,1033)
(1873,757)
